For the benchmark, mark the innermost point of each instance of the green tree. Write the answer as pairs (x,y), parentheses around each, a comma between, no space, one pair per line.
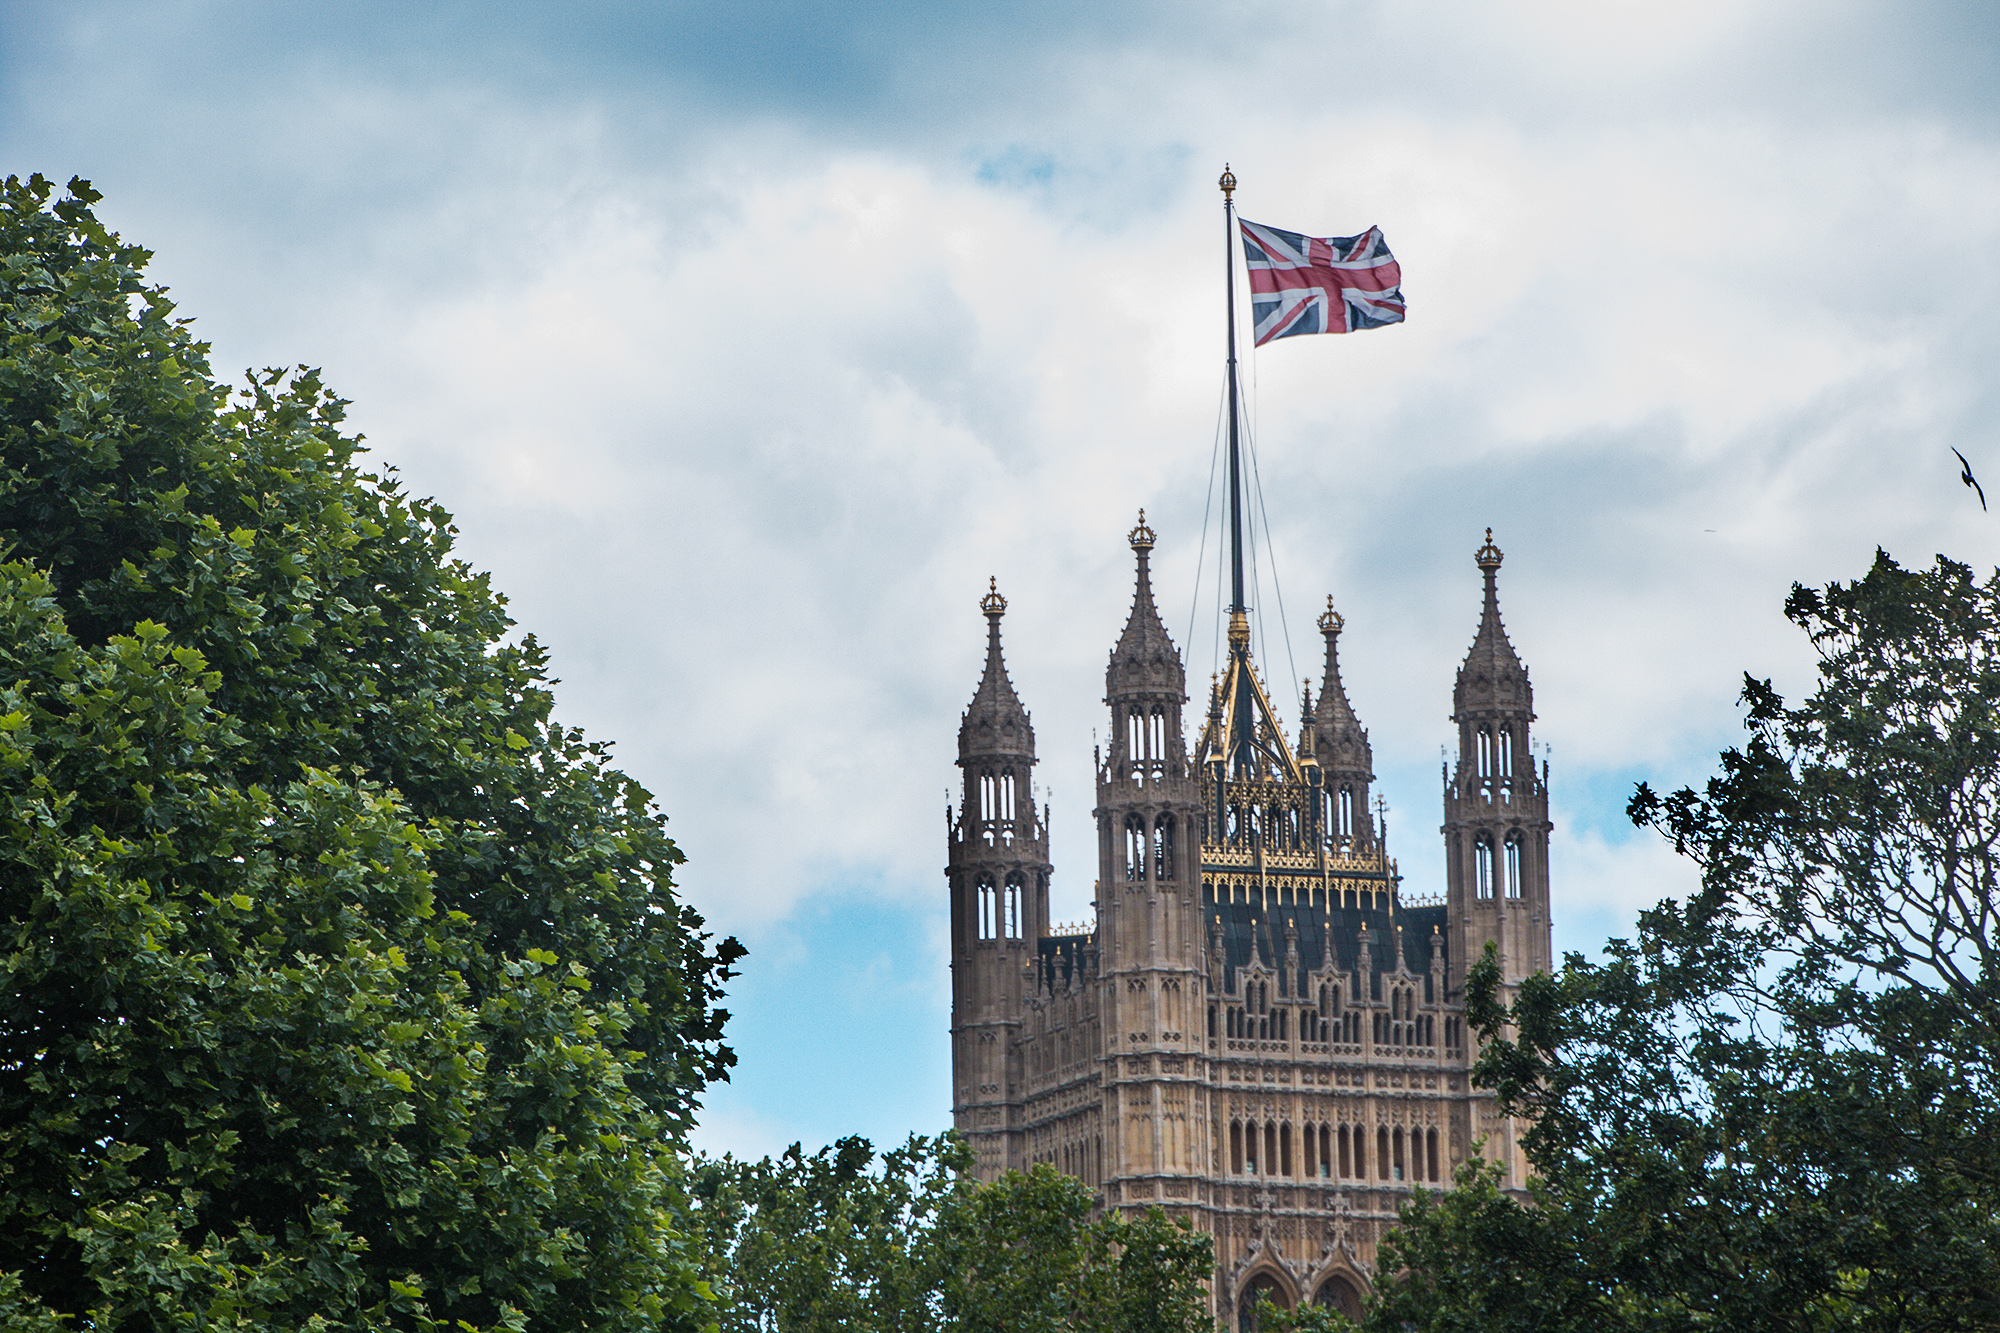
(339,984)
(831,1241)
(1779,1106)
(1025,1255)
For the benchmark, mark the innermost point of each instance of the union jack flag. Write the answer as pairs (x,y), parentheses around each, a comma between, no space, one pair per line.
(1312,284)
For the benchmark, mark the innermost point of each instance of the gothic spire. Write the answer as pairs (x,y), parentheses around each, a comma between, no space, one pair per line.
(995,723)
(1343,741)
(1145,660)
(1492,677)
(1340,745)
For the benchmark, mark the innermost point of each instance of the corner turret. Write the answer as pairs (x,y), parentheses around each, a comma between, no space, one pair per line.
(998,876)
(1496,806)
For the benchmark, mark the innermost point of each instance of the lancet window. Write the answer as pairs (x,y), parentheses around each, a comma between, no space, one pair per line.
(1011,917)
(1512,864)
(986,897)
(1135,847)
(1482,866)
(1163,847)
(1344,814)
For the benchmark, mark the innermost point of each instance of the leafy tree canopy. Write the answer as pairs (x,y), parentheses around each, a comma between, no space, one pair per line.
(831,1241)
(1779,1106)
(340,986)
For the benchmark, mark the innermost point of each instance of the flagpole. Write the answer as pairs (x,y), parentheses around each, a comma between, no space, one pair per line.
(1237,607)
(1241,726)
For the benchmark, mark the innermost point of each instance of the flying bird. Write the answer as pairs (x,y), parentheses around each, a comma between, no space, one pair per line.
(1965,475)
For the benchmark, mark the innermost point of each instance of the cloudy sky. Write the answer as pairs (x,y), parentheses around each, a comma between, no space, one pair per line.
(747,341)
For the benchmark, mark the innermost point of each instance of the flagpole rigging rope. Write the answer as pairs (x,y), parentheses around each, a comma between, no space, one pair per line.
(1201,548)
(1270,549)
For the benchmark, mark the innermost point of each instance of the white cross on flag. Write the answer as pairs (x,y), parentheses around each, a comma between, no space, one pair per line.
(1313,284)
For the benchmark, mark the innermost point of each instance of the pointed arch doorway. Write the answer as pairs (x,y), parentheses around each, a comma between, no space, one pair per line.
(1259,1287)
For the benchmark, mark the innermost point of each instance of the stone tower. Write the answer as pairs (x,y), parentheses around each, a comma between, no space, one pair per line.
(1496,806)
(1259,1030)
(998,870)
(1148,903)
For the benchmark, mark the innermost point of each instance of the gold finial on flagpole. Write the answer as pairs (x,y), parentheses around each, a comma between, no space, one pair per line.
(1228,182)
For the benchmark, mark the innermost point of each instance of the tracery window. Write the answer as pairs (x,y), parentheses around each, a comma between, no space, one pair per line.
(1513,864)
(1482,866)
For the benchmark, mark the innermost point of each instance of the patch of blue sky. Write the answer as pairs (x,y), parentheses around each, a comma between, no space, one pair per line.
(840,1021)
(1108,190)
(1017,167)
(821,61)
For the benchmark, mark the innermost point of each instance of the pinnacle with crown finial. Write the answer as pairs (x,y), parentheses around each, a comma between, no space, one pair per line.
(993,604)
(1488,556)
(1330,622)
(1142,536)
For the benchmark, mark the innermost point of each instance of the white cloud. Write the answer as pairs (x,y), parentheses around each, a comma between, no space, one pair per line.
(743,414)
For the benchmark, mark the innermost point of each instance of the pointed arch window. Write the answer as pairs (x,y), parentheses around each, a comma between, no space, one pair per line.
(1512,865)
(1482,866)
(1506,752)
(1006,805)
(1135,847)
(989,800)
(1163,847)
(1484,746)
(1344,814)
(1156,734)
(986,900)
(1010,907)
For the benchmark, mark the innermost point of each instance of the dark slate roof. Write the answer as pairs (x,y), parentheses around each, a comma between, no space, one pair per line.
(1248,928)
